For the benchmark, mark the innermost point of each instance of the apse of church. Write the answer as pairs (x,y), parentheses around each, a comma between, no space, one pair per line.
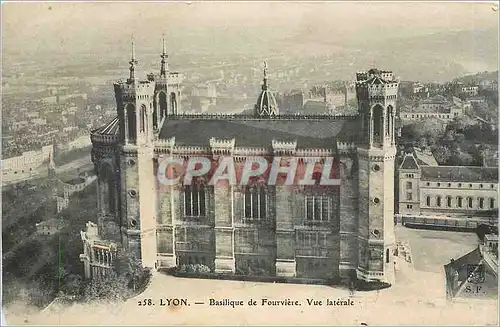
(320,231)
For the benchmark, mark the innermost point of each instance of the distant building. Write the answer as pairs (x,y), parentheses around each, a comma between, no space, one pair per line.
(49,227)
(26,164)
(316,107)
(477,99)
(293,101)
(329,100)
(458,196)
(437,107)
(203,97)
(474,275)
(70,186)
(62,200)
(340,97)
(467,90)
(410,89)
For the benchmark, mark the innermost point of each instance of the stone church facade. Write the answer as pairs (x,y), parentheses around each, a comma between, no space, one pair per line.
(304,231)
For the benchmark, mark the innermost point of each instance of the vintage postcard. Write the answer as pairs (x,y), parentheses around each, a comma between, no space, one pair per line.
(250,163)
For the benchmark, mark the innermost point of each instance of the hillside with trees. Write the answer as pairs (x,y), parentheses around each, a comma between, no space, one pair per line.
(38,269)
(461,142)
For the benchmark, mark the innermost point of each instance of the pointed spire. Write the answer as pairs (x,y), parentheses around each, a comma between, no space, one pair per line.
(133,48)
(163,43)
(264,86)
(164,57)
(132,61)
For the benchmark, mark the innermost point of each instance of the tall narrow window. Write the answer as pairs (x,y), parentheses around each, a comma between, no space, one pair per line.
(409,185)
(194,200)
(438,201)
(428,201)
(132,127)
(448,201)
(481,203)
(469,202)
(173,103)
(459,202)
(255,202)
(388,121)
(378,121)
(492,203)
(317,208)
(162,99)
(143,121)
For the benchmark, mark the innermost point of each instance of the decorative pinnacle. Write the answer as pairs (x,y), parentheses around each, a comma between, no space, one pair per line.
(164,46)
(132,61)
(133,51)
(264,86)
(164,56)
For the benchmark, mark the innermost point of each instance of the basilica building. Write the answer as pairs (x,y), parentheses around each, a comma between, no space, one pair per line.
(304,231)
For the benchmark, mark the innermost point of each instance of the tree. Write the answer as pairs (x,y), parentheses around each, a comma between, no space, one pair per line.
(432,129)
(72,285)
(460,158)
(422,143)
(110,286)
(442,154)
(459,138)
(128,266)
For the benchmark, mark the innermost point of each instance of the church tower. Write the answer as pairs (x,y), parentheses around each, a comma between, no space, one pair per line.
(134,99)
(376,94)
(167,96)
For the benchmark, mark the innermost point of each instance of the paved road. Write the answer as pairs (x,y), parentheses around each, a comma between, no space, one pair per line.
(84,162)
(81,163)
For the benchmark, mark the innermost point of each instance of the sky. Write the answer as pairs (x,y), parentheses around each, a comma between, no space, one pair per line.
(63,31)
(75,26)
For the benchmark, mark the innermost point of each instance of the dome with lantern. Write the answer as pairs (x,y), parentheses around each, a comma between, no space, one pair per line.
(266,103)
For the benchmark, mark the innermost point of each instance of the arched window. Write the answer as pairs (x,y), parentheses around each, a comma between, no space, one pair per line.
(448,201)
(162,101)
(143,119)
(194,200)
(481,203)
(255,202)
(438,201)
(387,256)
(492,203)
(428,201)
(388,121)
(459,202)
(107,189)
(173,103)
(132,127)
(469,202)
(377,121)
(409,185)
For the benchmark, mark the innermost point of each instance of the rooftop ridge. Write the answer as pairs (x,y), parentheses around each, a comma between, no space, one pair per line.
(468,167)
(274,117)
